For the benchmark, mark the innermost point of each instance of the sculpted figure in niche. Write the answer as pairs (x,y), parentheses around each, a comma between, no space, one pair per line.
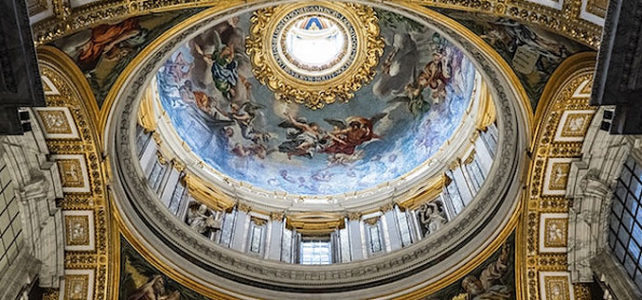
(37,187)
(488,285)
(432,217)
(154,289)
(201,219)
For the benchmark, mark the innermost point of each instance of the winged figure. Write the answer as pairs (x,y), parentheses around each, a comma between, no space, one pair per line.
(413,97)
(304,139)
(245,115)
(352,132)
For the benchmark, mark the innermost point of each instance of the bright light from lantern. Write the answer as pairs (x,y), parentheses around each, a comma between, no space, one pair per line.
(315,42)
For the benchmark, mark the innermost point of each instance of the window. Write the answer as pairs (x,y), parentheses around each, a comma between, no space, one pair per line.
(228,229)
(256,237)
(475,173)
(142,139)
(344,240)
(374,234)
(625,224)
(156,175)
(490,138)
(286,245)
(10,223)
(177,196)
(315,252)
(404,227)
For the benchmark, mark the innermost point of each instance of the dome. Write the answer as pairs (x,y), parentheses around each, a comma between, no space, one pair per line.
(393,127)
(266,139)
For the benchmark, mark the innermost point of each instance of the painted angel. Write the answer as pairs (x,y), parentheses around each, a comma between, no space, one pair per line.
(304,139)
(352,132)
(220,53)
(395,74)
(245,115)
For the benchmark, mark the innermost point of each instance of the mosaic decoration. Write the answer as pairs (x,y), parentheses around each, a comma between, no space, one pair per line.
(415,102)
(556,177)
(77,285)
(533,53)
(555,286)
(493,279)
(103,52)
(573,125)
(139,280)
(57,122)
(553,232)
(79,230)
(84,207)
(73,172)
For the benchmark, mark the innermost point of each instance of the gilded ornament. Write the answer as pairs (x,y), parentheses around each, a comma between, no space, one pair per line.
(315,86)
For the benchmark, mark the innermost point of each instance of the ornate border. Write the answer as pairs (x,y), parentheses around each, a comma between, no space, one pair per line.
(566,21)
(161,235)
(558,97)
(75,94)
(367,46)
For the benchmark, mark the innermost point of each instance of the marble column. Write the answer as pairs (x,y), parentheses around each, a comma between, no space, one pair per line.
(392,235)
(355,233)
(241,230)
(273,245)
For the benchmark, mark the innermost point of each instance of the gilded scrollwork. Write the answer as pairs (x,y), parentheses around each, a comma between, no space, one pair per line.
(569,23)
(545,218)
(93,239)
(360,26)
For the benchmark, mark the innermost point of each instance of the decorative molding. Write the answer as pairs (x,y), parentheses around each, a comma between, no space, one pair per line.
(315,92)
(423,193)
(512,123)
(80,234)
(567,21)
(205,193)
(553,231)
(315,223)
(73,172)
(57,122)
(78,284)
(544,237)
(555,286)
(75,94)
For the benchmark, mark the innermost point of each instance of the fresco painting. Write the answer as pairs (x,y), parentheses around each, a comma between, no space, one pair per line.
(139,280)
(399,120)
(104,51)
(533,53)
(493,279)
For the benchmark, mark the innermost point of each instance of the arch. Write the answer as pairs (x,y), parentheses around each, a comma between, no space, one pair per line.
(542,234)
(84,203)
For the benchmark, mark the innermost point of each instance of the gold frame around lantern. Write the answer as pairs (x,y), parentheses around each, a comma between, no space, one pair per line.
(315,95)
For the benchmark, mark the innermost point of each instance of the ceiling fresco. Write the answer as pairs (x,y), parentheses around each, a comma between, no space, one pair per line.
(533,53)
(394,123)
(104,51)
